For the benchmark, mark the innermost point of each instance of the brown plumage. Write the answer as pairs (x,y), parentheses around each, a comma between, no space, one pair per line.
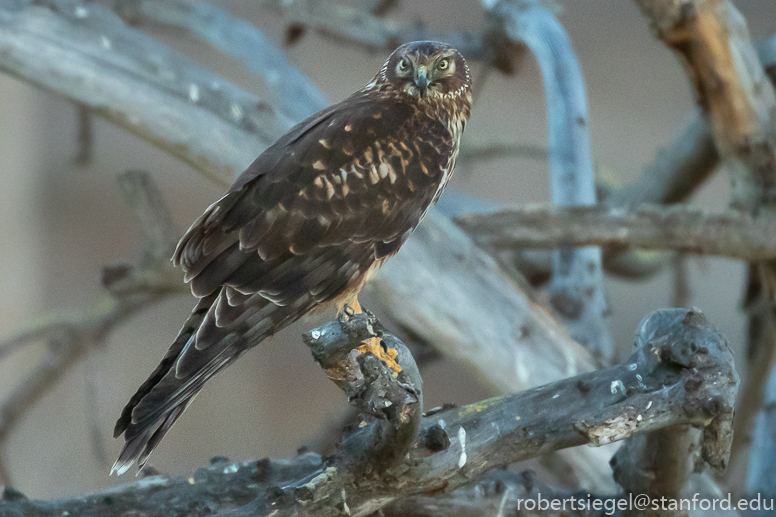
(306,224)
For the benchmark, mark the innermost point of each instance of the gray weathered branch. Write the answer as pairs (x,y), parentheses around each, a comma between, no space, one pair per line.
(83,51)
(730,234)
(348,24)
(683,374)
(288,89)
(712,41)
(576,287)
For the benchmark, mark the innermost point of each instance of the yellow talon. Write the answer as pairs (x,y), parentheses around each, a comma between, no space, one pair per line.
(388,356)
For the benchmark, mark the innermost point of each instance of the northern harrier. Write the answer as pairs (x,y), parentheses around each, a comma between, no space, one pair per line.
(307,224)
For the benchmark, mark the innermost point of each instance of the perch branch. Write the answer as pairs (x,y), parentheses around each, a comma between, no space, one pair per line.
(683,375)
(682,228)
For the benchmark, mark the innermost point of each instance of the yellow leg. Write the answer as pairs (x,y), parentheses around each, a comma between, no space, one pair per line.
(375,345)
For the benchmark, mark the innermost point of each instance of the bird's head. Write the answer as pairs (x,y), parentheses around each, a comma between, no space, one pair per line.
(427,70)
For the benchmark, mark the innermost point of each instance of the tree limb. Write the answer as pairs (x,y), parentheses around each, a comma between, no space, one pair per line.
(711,40)
(348,24)
(83,51)
(682,228)
(288,89)
(683,374)
(576,286)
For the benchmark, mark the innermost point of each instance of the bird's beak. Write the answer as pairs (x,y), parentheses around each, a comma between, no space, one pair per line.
(421,79)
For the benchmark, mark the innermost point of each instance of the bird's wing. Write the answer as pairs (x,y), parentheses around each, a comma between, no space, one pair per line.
(344,174)
(312,214)
(300,226)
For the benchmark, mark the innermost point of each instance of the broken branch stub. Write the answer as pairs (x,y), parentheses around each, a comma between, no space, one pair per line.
(379,375)
(660,463)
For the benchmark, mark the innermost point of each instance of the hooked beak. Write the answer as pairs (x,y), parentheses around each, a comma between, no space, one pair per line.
(421,79)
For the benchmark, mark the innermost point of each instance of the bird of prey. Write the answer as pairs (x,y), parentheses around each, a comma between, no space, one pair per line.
(306,225)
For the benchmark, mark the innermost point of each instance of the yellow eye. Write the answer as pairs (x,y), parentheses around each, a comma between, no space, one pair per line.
(403,65)
(443,64)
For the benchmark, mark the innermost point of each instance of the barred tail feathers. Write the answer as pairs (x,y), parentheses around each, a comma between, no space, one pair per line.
(208,342)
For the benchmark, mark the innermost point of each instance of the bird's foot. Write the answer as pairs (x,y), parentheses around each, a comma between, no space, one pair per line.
(378,347)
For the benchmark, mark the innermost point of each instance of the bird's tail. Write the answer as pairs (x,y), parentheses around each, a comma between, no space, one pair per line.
(204,346)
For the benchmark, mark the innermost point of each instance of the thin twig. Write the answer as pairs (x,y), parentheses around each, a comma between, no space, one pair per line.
(480,152)
(85,152)
(680,296)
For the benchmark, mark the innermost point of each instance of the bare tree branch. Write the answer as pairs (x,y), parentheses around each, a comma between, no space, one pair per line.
(83,51)
(683,374)
(682,228)
(443,287)
(576,287)
(659,464)
(712,41)
(352,25)
(480,152)
(288,89)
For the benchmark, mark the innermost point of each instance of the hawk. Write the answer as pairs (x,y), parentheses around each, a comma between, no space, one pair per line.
(306,225)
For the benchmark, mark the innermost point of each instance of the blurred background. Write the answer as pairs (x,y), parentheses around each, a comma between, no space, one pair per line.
(61,222)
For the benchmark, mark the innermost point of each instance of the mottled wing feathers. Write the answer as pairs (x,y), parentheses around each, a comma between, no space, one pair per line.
(350,173)
(302,225)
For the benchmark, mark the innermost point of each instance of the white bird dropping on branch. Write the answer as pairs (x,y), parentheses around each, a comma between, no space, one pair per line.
(462,440)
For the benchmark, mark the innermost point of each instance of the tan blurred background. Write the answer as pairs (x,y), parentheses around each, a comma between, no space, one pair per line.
(59,223)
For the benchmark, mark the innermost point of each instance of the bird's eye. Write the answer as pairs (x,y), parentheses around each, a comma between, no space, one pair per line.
(443,64)
(403,65)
